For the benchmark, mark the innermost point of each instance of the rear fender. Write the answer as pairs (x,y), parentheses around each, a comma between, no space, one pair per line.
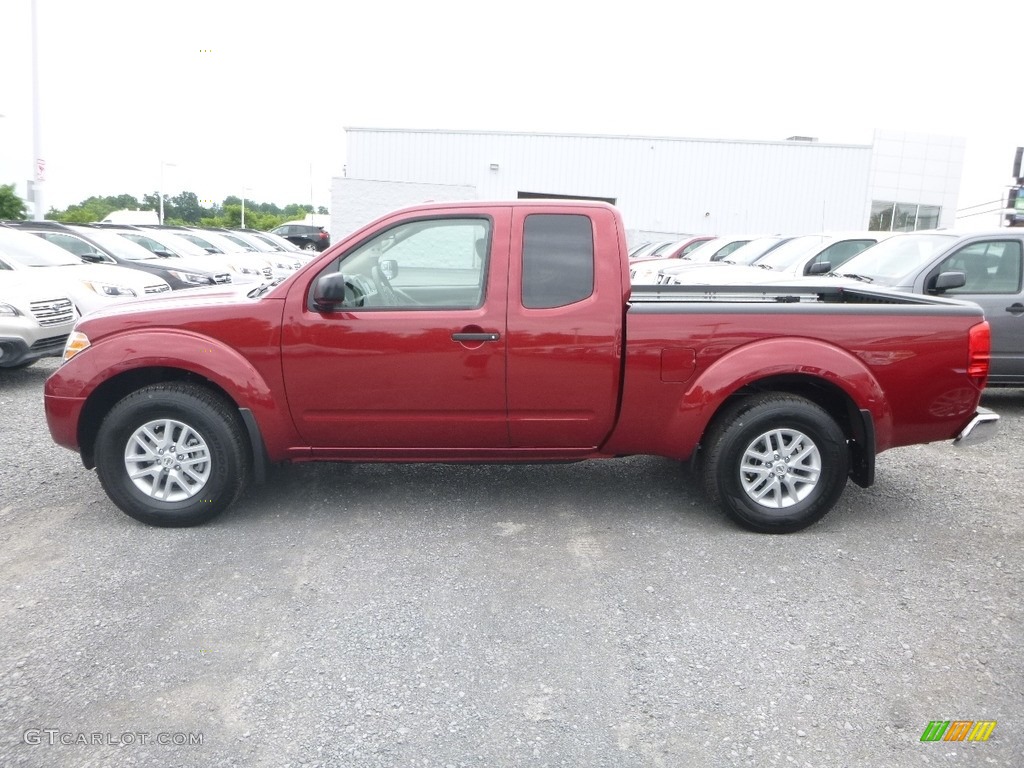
(794,365)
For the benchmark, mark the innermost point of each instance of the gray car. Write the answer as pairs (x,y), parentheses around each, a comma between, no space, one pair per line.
(983,267)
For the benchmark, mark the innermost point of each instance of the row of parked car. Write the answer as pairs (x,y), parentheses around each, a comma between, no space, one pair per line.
(52,273)
(982,267)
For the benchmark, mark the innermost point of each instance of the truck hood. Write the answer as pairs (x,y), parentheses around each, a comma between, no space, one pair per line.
(158,310)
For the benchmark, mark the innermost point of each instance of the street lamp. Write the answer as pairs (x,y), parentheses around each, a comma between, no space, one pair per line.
(160,191)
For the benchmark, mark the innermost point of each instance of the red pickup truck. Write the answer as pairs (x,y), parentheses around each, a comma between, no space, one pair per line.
(509,332)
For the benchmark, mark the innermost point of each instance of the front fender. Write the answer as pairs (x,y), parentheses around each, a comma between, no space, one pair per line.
(101,374)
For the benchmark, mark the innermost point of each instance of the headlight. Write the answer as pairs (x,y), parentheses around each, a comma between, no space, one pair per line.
(6,310)
(244,270)
(109,289)
(77,342)
(191,277)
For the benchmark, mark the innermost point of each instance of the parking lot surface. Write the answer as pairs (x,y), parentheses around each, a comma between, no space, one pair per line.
(590,614)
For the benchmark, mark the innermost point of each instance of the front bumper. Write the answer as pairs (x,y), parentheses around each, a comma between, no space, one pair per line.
(14,351)
(984,426)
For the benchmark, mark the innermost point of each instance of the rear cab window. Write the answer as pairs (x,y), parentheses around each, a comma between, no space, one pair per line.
(558,260)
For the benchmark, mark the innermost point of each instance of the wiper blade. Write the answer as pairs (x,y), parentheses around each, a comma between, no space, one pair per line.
(861,278)
(262,288)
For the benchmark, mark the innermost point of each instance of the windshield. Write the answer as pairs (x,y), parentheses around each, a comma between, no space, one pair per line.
(117,245)
(715,250)
(243,245)
(787,254)
(752,251)
(32,251)
(164,241)
(267,238)
(892,259)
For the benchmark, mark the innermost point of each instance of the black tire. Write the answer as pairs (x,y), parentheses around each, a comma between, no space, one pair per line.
(797,488)
(215,459)
(309,246)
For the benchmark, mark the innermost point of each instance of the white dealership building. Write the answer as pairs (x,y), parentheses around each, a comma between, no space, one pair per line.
(664,186)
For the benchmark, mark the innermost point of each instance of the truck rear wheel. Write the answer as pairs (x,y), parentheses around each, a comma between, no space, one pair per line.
(776,463)
(172,454)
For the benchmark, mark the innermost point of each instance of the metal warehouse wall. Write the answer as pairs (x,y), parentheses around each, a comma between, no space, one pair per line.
(698,186)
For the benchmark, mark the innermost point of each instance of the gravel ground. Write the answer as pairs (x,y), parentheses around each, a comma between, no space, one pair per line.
(592,614)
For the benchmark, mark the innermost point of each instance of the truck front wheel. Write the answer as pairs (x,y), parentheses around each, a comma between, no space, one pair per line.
(172,454)
(776,463)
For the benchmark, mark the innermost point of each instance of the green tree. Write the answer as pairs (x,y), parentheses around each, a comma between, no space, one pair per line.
(11,206)
(187,208)
(322,211)
(95,208)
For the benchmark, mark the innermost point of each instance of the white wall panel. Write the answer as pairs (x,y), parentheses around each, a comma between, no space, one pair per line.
(700,186)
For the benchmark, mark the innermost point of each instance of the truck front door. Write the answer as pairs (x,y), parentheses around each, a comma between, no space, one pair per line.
(415,359)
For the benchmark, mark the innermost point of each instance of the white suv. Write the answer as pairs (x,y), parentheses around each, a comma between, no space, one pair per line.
(35,319)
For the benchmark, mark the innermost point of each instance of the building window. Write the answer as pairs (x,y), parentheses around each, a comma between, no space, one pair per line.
(558,260)
(902,217)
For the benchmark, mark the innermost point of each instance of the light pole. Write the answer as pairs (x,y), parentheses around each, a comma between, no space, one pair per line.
(160,192)
(38,212)
(244,190)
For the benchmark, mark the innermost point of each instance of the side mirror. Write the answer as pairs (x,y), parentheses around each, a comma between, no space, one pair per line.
(92,258)
(820,268)
(389,268)
(949,280)
(335,291)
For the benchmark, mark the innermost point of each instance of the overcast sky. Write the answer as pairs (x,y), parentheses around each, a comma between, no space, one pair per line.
(245,95)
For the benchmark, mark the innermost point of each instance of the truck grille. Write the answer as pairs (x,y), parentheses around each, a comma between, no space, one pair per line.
(52,312)
(157,288)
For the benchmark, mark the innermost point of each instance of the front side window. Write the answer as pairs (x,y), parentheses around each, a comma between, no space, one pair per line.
(839,253)
(558,260)
(73,245)
(992,266)
(425,264)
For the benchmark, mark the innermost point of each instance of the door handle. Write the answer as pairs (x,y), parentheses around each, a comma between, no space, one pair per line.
(1016,308)
(484,336)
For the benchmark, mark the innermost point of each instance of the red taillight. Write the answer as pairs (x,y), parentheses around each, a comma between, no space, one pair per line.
(979,350)
(323,235)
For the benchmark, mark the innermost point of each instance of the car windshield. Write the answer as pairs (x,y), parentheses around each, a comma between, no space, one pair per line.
(117,245)
(898,256)
(164,241)
(752,251)
(645,250)
(268,239)
(715,250)
(31,251)
(241,243)
(787,254)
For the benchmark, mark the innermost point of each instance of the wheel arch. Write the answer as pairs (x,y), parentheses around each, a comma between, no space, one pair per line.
(831,377)
(111,391)
(858,424)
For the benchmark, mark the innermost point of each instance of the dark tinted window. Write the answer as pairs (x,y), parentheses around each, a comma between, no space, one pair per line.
(558,260)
